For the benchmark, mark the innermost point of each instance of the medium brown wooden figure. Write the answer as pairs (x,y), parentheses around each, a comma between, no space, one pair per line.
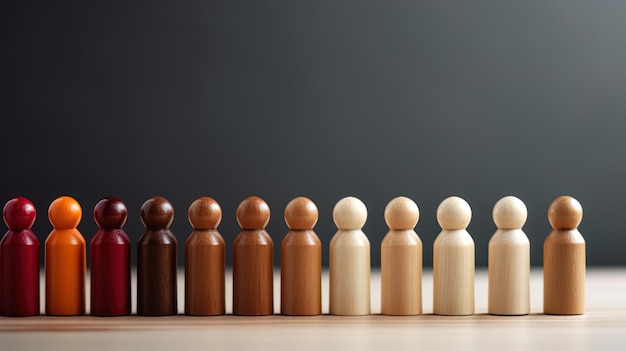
(453,260)
(301,261)
(509,260)
(205,255)
(156,260)
(564,259)
(253,261)
(401,260)
(349,260)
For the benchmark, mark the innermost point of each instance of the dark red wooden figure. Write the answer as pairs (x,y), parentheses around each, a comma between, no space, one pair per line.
(19,261)
(110,260)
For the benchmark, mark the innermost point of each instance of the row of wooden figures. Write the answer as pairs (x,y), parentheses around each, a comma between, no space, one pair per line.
(301,260)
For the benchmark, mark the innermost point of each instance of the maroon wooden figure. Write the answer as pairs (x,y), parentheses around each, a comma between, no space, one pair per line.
(110,260)
(19,261)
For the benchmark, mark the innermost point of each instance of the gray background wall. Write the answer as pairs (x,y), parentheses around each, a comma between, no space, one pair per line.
(278,99)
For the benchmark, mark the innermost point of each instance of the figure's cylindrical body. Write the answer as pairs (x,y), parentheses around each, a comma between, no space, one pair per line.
(65,273)
(204,273)
(564,272)
(349,273)
(453,273)
(156,273)
(401,273)
(110,273)
(509,273)
(301,274)
(253,273)
(19,275)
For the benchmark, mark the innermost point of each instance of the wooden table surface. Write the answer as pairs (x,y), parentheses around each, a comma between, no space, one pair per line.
(602,327)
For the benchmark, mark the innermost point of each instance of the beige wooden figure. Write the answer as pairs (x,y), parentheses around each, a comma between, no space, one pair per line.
(349,260)
(564,259)
(509,260)
(453,260)
(401,260)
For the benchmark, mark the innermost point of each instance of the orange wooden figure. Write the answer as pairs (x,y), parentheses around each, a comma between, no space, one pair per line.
(253,261)
(301,261)
(65,260)
(205,260)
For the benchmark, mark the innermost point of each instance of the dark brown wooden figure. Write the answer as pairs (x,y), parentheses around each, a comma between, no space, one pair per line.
(19,261)
(564,259)
(110,260)
(253,261)
(156,260)
(301,261)
(205,260)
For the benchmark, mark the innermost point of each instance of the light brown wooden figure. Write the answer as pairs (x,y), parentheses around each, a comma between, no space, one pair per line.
(253,261)
(509,260)
(205,260)
(401,260)
(301,261)
(453,260)
(349,260)
(564,259)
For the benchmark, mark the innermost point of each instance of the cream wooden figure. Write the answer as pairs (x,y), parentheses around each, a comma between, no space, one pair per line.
(564,259)
(349,260)
(401,260)
(509,260)
(453,260)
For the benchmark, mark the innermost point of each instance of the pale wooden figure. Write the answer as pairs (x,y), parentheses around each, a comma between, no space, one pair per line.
(564,259)
(401,260)
(349,260)
(509,260)
(453,260)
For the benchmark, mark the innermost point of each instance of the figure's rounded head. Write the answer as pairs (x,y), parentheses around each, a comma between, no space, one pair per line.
(157,213)
(65,213)
(350,213)
(509,213)
(454,213)
(565,212)
(253,213)
(19,214)
(401,213)
(110,213)
(301,214)
(204,213)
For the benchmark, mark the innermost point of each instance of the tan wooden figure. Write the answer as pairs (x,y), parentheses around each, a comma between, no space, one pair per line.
(401,260)
(301,261)
(205,255)
(453,260)
(253,261)
(509,260)
(564,259)
(349,260)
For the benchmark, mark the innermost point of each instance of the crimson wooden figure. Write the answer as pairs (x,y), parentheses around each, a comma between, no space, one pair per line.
(110,260)
(19,261)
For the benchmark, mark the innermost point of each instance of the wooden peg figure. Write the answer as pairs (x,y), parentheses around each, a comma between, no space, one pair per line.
(453,260)
(349,260)
(110,260)
(65,260)
(509,260)
(301,261)
(564,259)
(19,261)
(157,260)
(253,261)
(205,260)
(401,260)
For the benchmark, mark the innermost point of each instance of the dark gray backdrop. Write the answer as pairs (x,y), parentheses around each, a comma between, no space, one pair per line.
(278,99)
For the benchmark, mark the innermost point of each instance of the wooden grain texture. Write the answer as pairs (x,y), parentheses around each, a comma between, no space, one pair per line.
(205,260)
(401,260)
(253,261)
